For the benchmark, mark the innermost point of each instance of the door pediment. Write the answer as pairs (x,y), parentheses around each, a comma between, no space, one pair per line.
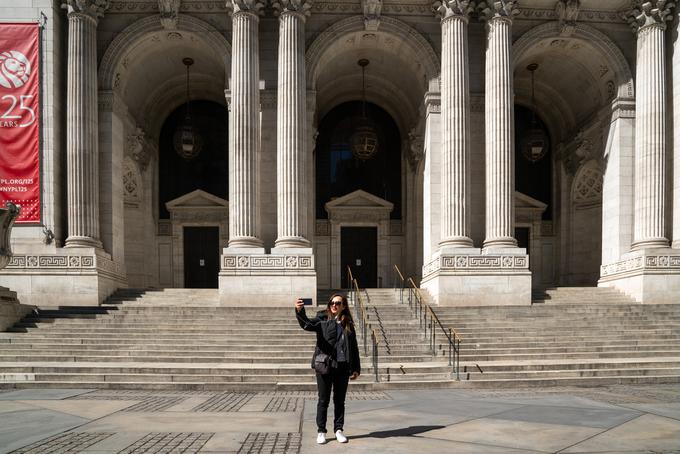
(359,206)
(360,199)
(197,199)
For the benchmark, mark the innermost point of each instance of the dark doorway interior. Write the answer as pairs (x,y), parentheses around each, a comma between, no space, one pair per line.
(201,257)
(359,251)
(522,236)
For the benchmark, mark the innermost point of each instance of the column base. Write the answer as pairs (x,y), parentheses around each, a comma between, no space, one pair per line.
(63,277)
(292,242)
(478,279)
(649,276)
(651,243)
(83,242)
(275,279)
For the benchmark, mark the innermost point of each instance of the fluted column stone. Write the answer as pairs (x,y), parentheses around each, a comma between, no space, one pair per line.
(455,117)
(82,159)
(648,20)
(244,150)
(291,124)
(500,132)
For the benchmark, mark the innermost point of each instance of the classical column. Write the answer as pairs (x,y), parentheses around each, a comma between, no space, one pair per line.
(500,134)
(649,21)
(291,122)
(82,123)
(455,117)
(244,150)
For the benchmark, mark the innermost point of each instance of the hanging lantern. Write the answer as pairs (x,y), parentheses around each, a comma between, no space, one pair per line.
(364,141)
(534,144)
(186,140)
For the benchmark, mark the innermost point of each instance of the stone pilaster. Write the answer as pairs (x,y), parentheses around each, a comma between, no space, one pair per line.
(82,123)
(244,150)
(500,133)
(455,117)
(648,20)
(291,124)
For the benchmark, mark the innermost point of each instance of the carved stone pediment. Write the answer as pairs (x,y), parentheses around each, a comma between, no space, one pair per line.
(359,206)
(197,199)
(360,199)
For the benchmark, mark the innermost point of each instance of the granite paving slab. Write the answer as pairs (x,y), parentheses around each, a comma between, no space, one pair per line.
(647,433)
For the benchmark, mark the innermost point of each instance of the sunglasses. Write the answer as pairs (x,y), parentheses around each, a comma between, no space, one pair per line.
(335,303)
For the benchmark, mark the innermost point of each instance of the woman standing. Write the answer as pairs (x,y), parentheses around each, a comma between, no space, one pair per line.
(336,359)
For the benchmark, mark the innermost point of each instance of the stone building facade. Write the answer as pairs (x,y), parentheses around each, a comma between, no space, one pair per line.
(522,145)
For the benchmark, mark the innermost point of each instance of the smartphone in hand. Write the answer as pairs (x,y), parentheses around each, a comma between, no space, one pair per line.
(307,301)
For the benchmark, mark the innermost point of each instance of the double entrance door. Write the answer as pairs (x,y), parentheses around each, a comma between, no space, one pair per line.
(359,251)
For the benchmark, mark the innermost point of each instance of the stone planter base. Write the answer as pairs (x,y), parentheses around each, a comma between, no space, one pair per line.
(65,277)
(258,279)
(651,276)
(478,280)
(10,309)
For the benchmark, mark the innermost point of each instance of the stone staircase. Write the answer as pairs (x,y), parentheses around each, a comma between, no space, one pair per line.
(571,336)
(405,356)
(181,339)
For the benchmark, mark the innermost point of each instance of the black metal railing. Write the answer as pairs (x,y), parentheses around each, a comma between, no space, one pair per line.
(431,325)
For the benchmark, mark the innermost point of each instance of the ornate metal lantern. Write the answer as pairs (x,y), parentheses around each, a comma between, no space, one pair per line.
(187,141)
(364,141)
(535,143)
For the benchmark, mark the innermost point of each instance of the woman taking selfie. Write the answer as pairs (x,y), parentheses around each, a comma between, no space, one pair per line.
(335,360)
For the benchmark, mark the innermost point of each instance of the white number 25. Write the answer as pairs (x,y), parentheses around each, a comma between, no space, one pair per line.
(22,106)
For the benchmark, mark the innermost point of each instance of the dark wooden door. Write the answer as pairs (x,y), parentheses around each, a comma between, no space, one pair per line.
(201,257)
(359,251)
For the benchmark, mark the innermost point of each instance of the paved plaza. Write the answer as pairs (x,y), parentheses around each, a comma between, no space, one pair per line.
(619,419)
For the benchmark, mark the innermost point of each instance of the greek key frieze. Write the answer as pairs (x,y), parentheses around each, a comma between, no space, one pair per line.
(267,262)
(650,262)
(477,263)
(56,262)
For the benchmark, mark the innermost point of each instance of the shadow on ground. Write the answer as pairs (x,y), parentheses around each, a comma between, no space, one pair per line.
(404,432)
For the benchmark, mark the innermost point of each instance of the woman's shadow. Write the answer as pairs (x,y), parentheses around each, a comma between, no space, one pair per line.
(404,432)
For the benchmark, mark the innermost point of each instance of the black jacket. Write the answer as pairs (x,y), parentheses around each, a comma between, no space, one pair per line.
(326,337)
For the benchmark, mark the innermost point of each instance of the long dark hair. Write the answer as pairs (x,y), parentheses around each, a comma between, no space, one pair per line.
(345,317)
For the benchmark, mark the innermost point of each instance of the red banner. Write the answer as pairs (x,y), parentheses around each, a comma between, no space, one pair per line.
(19,119)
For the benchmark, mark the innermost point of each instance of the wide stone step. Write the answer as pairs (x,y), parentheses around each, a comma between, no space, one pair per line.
(121,357)
(579,373)
(572,349)
(473,357)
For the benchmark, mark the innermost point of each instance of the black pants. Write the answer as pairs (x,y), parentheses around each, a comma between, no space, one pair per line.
(337,379)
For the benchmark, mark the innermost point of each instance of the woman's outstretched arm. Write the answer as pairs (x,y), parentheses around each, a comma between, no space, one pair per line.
(303,320)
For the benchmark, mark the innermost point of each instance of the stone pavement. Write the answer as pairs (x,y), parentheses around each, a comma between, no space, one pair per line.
(617,419)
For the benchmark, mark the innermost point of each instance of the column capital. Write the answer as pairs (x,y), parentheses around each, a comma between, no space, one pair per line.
(499,9)
(255,7)
(446,9)
(648,13)
(301,7)
(94,9)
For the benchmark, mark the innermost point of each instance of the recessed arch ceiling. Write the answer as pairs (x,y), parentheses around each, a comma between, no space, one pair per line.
(395,79)
(573,81)
(158,58)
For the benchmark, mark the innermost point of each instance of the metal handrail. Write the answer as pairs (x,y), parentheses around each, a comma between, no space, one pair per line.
(422,310)
(365,325)
(399,278)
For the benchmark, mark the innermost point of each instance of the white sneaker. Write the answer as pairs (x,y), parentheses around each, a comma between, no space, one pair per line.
(321,438)
(340,436)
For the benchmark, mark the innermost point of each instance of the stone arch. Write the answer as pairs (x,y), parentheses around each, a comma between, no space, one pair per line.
(134,33)
(410,36)
(595,38)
